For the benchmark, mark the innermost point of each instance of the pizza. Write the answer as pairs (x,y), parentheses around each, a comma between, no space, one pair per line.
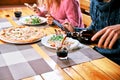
(21,34)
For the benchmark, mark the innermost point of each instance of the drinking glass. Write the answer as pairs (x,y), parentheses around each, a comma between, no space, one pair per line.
(62,53)
(17,12)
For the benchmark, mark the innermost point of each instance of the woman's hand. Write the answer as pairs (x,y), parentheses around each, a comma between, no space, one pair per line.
(68,27)
(49,19)
(36,9)
(108,36)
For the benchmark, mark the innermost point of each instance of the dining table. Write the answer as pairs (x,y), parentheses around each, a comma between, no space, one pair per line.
(35,61)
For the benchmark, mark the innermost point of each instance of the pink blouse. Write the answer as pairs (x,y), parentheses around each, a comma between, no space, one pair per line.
(69,11)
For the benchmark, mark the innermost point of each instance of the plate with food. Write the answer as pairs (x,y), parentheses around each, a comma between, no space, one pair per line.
(21,34)
(33,20)
(53,41)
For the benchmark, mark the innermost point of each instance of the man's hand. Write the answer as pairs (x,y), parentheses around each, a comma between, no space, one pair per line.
(107,36)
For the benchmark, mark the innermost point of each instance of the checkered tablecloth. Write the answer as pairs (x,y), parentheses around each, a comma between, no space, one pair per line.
(84,54)
(4,23)
(20,61)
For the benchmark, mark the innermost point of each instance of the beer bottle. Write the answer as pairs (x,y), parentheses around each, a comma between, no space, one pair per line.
(84,36)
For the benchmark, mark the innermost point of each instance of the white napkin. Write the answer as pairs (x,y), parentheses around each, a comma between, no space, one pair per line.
(76,44)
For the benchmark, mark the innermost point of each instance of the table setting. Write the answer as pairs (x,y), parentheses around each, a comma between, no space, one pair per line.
(44,56)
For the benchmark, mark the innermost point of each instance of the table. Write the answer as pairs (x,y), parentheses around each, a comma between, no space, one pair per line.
(96,69)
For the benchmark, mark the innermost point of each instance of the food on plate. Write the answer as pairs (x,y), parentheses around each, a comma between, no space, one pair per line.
(33,20)
(21,34)
(56,40)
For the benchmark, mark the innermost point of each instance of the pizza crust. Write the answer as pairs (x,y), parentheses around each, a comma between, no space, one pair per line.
(21,34)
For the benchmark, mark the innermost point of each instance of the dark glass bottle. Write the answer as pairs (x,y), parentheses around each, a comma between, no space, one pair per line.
(84,36)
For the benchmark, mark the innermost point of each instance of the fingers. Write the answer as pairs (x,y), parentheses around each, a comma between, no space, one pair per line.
(98,34)
(103,38)
(114,39)
(108,40)
(68,27)
(108,37)
(34,5)
(50,19)
(36,10)
(26,4)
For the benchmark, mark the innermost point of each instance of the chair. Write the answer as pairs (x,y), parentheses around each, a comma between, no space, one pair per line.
(85,8)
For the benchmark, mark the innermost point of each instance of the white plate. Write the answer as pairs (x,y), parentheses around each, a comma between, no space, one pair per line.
(74,45)
(23,20)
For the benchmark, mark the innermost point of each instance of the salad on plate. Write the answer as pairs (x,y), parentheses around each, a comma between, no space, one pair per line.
(33,20)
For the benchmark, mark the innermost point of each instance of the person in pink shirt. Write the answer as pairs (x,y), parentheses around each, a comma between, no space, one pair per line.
(64,11)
